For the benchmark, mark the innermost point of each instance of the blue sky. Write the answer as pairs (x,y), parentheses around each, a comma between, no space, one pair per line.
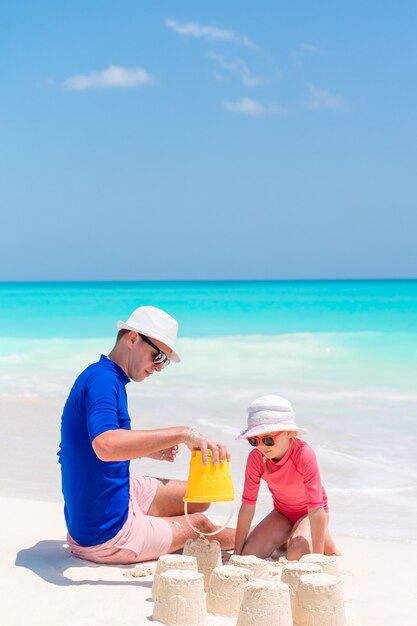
(217,140)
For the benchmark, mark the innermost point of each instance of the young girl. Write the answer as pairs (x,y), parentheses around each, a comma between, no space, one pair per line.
(289,467)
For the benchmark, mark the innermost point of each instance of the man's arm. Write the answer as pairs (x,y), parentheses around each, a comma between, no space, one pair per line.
(123,445)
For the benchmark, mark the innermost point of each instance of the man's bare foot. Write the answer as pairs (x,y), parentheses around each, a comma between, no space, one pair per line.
(226,538)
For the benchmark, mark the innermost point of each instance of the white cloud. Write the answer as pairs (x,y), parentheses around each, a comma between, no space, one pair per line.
(240,68)
(113,76)
(302,50)
(307,47)
(255,109)
(325,99)
(208,32)
(247,106)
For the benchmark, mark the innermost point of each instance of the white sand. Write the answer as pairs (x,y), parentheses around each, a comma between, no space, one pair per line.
(43,585)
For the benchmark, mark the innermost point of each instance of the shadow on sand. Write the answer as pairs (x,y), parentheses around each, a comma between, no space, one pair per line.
(51,558)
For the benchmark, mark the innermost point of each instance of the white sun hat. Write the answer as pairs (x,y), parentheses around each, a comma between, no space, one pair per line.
(155,324)
(270,414)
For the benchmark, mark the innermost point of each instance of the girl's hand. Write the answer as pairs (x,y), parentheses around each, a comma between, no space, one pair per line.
(168,454)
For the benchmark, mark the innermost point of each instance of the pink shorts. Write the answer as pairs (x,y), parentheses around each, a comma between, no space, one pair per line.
(142,537)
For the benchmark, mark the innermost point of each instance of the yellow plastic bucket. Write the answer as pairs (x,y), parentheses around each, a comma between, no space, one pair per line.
(208,483)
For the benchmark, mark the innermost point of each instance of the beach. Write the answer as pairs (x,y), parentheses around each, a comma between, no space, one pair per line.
(352,384)
(44,585)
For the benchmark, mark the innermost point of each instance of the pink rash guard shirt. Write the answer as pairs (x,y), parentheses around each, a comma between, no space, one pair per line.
(294,481)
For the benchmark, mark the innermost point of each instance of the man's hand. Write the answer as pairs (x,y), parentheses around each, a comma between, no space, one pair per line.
(197,441)
(168,454)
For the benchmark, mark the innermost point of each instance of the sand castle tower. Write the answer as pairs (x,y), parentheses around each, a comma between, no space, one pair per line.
(208,555)
(227,585)
(320,601)
(329,564)
(180,599)
(259,567)
(172,561)
(291,574)
(265,603)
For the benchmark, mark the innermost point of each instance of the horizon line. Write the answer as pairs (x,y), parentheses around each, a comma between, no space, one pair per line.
(204,280)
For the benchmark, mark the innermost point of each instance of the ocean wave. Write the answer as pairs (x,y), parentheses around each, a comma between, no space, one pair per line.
(376,462)
(358,394)
(219,426)
(325,369)
(371,490)
(10,359)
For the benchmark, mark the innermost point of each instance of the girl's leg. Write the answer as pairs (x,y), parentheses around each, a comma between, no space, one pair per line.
(300,541)
(268,535)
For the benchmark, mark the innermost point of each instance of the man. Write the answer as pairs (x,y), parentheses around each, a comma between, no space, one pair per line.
(111,516)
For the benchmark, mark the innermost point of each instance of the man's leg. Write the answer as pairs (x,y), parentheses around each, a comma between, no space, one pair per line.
(168,503)
(168,500)
(181,531)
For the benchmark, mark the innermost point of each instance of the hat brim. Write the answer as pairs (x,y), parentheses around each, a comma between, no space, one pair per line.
(173,357)
(262,429)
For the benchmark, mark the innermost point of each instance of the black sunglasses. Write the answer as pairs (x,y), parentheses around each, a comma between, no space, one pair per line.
(267,441)
(160,358)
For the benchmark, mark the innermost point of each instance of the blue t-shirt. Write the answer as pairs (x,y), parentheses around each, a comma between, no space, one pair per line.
(96,493)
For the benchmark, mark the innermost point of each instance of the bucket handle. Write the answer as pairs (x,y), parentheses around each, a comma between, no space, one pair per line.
(197,530)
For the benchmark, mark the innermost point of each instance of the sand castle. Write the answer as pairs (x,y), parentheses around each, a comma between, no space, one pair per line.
(329,564)
(226,588)
(265,603)
(208,555)
(180,599)
(320,601)
(290,593)
(259,567)
(172,561)
(291,574)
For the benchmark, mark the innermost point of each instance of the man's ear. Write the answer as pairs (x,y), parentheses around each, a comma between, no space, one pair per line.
(291,434)
(132,338)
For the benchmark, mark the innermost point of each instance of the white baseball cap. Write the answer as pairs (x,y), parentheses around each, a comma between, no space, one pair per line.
(270,414)
(155,324)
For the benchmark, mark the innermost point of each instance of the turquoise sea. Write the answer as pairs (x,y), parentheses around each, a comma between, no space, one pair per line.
(344,352)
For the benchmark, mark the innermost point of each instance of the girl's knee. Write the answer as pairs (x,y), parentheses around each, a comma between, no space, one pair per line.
(296,548)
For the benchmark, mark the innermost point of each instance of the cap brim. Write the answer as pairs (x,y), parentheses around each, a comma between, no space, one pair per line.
(173,357)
